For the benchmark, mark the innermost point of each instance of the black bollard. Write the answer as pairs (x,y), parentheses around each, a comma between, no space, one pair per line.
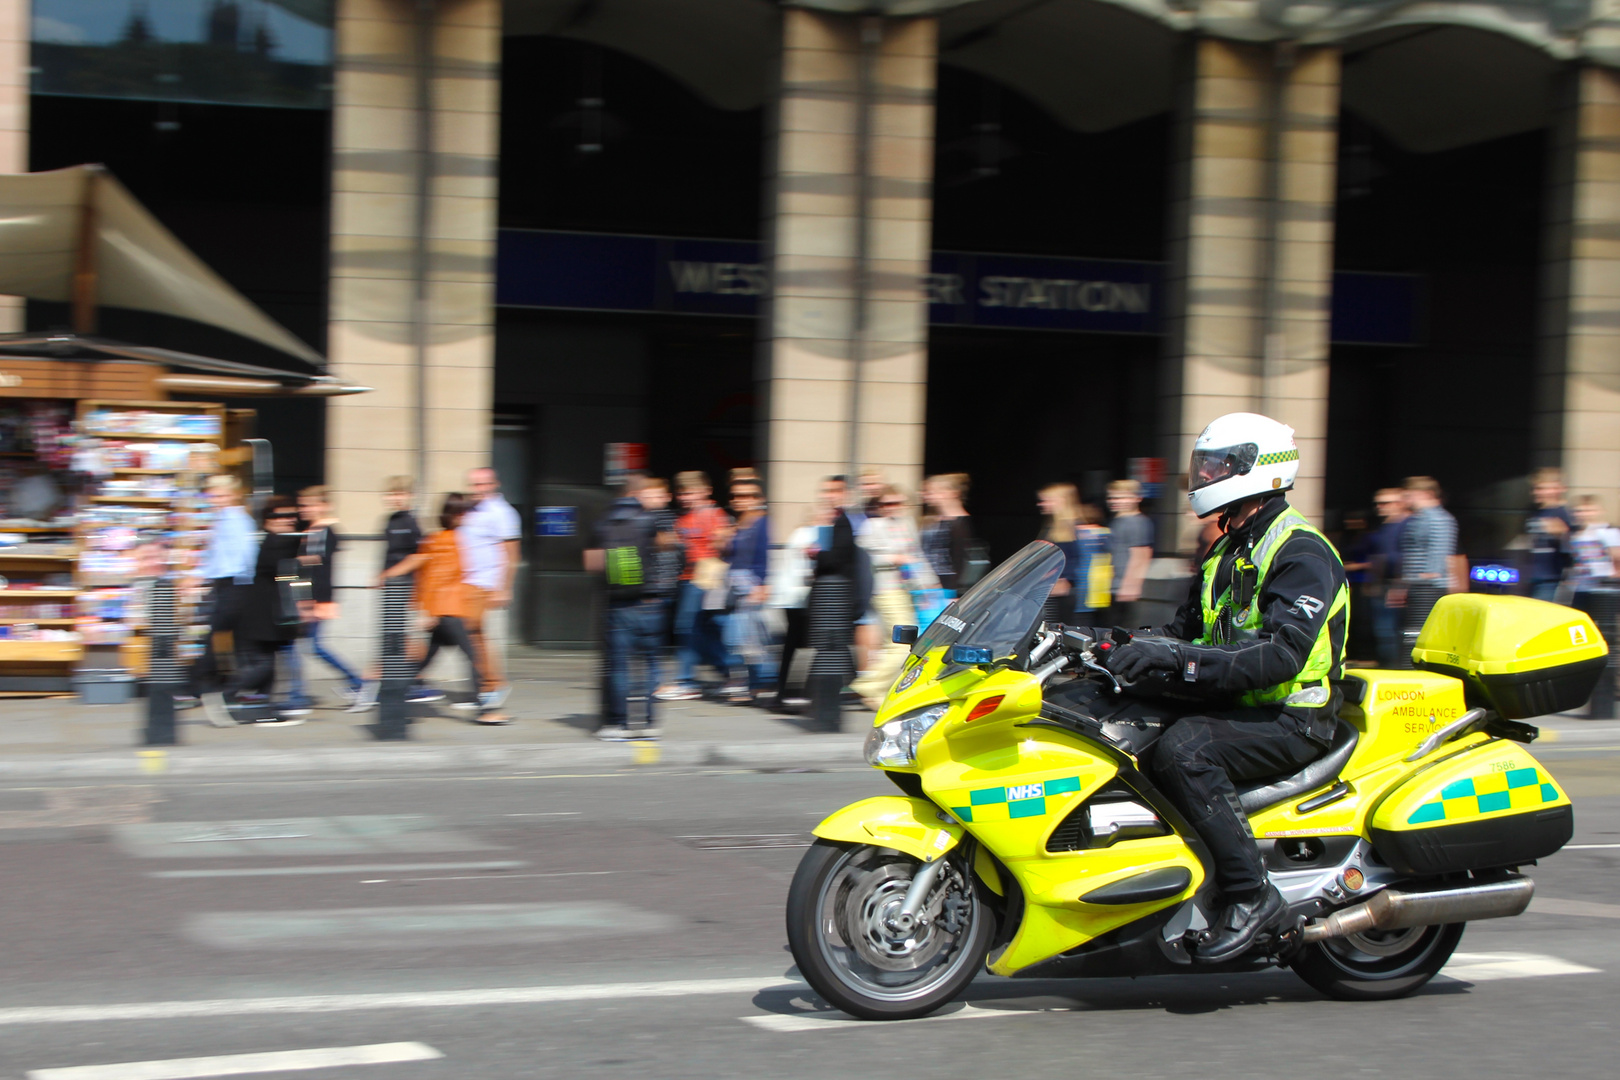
(831,623)
(164,673)
(1602,602)
(1420,601)
(397,669)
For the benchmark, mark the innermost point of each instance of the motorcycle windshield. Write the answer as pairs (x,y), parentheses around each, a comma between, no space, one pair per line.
(1000,613)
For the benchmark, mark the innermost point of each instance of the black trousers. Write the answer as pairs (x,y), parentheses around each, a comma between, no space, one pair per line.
(795,638)
(1198,763)
(225,607)
(255,668)
(451,631)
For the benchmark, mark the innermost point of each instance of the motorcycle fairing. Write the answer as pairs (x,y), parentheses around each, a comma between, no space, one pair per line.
(1012,795)
(914,826)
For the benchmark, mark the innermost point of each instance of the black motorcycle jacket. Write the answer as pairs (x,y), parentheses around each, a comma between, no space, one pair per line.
(1295,603)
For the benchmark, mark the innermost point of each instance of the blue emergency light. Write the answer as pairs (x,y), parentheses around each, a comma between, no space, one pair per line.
(969,654)
(1495,575)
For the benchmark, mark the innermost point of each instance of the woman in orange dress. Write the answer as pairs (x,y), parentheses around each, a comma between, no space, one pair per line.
(439,590)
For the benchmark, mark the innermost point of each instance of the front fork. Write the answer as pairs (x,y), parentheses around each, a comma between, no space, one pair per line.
(905,920)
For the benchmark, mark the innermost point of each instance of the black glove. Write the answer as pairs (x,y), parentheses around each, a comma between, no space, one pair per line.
(1143,655)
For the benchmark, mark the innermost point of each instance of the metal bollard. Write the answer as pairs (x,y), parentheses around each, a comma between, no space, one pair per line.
(1603,604)
(164,673)
(397,669)
(1420,601)
(833,666)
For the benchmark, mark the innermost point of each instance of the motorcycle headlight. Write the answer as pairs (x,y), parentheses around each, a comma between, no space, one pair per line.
(895,743)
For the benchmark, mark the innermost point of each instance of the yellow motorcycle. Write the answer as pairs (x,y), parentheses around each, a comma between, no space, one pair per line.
(1029,838)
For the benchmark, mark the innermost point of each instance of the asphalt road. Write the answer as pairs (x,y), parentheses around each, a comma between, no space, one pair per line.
(629,924)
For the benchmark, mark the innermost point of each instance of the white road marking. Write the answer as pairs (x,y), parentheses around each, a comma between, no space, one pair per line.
(389,836)
(550,813)
(1488,967)
(1587,847)
(292,871)
(423,926)
(780,1022)
(499,877)
(425,999)
(243,1064)
(1548,905)
(742,841)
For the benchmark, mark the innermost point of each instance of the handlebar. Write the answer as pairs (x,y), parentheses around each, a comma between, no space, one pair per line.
(1076,646)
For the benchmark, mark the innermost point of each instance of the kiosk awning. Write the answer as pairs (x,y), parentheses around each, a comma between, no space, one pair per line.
(77,235)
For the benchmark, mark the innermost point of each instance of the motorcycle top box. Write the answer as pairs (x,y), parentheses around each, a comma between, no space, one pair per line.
(1517,656)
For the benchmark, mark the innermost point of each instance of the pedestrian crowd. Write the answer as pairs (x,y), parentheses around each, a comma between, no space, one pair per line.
(268,582)
(699,602)
(807,626)
(1401,567)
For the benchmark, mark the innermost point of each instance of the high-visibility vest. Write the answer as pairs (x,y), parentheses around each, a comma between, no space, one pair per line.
(1235,615)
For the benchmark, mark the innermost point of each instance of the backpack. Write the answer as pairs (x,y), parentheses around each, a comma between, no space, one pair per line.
(626,536)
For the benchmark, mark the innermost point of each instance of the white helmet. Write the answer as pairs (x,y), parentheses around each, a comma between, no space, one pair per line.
(1238,456)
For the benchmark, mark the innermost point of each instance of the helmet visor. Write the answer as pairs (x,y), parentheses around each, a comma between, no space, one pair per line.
(1212,466)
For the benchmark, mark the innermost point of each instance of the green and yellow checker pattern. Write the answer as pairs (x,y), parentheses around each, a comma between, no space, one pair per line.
(1278,458)
(1013,800)
(1515,789)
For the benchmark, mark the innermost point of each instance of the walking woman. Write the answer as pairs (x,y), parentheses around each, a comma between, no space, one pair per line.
(948,531)
(790,591)
(440,592)
(264,623)
(898,566)
(319,555)
(1061,505)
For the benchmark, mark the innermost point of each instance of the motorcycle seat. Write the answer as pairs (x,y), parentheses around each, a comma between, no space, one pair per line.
(1324,770)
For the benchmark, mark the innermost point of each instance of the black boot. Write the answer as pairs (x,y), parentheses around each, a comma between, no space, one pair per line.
(1239,924)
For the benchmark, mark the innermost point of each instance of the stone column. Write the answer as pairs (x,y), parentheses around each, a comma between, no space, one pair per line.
(1578,377)
(814,329)
(378,332)
(14,61)
(391,251)
(1250,280)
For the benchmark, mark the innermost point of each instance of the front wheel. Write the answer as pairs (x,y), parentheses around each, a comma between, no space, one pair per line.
(842,930)
(1380,964)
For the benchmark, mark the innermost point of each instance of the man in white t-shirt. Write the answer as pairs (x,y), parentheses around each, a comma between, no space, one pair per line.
(489,538)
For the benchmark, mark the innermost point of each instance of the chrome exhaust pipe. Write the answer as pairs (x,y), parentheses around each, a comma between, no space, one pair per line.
(1390,910)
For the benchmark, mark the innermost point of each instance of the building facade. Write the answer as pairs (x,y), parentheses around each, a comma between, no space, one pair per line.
(1032,242)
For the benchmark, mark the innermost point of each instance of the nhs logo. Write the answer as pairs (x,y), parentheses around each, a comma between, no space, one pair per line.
(1025,791)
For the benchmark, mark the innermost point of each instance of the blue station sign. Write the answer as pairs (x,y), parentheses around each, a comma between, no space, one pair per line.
(606,272)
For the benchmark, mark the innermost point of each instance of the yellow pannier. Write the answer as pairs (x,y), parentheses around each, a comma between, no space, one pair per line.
(1518,656)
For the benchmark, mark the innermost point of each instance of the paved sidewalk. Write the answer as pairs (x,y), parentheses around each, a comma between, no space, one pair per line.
(553,708)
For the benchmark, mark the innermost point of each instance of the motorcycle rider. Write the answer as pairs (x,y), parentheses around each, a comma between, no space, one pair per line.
(1263,635)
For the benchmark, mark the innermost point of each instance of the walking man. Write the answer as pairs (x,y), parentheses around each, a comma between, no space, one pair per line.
(1549,528)
(489,536)
(1130,542)
(623,550)
(227,568)
(1428,542)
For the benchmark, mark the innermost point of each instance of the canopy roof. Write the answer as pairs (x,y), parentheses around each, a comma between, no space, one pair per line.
(78,235)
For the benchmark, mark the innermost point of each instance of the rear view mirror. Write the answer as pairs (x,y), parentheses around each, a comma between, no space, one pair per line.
(904,634)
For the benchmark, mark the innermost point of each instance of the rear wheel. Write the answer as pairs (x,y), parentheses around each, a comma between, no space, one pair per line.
(1380,964)
(842,929)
